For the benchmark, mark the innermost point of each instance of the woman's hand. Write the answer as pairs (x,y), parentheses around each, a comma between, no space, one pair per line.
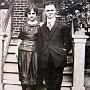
(19,42)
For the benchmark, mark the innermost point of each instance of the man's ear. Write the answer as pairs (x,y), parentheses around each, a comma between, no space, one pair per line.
(55,11)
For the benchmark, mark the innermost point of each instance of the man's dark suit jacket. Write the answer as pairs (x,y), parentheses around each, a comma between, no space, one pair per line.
(56,42)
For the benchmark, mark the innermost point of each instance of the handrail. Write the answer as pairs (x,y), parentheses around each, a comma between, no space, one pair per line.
(5,21)
(7,31)
(4,42)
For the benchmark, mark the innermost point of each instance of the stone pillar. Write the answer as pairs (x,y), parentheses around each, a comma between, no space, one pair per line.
(79,61)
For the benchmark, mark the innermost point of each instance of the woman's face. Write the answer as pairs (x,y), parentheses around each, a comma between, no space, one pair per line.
(31,15)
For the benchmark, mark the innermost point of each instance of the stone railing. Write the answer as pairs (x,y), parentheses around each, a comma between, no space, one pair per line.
(79,39)
(5,36)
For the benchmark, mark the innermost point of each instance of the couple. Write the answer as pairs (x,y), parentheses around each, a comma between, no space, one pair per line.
(42,54)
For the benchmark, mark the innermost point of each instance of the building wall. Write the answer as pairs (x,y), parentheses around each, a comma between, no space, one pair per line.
(18,15)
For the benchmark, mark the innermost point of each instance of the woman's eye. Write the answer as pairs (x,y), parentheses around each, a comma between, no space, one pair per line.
(31,13)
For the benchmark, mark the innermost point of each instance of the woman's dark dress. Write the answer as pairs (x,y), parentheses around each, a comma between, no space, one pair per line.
(27,54)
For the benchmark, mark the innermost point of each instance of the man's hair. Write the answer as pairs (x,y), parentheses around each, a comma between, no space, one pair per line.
(50,3)
(32,6)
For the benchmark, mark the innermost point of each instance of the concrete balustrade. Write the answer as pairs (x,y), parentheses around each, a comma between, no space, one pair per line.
(2,16)
(1,61)
(4,42)
(79,60)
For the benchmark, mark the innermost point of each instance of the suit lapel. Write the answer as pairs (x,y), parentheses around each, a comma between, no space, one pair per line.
(54,27)
(48,33)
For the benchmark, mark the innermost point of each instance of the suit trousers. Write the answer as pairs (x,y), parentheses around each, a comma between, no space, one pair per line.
(53,76)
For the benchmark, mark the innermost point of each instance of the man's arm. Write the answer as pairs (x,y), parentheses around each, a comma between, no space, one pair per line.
(67,38)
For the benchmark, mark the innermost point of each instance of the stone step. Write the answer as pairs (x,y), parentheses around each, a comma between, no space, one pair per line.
(12,49)
(13,67)
(18,87)
(9,82)
(11,77)
(13,44)
(11,58)
(14,40)
(14,78)
(10,87)
(10,68)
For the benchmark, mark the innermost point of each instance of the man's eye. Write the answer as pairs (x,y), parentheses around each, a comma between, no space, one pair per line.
(33,13)
(48,10)
(52,10)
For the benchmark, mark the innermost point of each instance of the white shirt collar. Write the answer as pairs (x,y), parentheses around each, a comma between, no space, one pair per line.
(52,21)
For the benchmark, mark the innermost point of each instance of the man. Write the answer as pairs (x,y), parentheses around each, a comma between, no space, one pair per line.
(55,42)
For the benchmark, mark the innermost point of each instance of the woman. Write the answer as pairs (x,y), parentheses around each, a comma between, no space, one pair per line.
(27,52)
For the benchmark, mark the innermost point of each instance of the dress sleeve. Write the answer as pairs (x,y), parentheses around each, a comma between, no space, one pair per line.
(22,33)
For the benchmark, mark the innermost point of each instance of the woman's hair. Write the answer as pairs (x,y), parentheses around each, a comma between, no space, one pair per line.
(30,7)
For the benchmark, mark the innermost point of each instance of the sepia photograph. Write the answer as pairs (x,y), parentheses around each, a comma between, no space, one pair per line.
(44,44)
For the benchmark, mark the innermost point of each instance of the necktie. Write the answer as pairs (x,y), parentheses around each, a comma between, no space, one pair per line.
(49,25)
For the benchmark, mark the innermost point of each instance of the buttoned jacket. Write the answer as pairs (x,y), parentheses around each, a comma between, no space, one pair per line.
(57,42)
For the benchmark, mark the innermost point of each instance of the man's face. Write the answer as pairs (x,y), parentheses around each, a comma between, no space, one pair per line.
(32,15)
(50,11)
